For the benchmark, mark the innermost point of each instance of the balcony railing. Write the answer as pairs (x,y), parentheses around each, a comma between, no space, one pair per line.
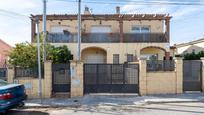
(106,37)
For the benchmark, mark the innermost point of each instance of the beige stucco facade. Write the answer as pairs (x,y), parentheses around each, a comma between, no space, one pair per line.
(156,26)
(128,34)
(119,48)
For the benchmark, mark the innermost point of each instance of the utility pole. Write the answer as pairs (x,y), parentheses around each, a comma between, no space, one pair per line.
(79,31)
(44,28)
(39,63)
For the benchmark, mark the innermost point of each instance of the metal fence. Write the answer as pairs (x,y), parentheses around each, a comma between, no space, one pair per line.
(3,72)
(160,65)
(27,72)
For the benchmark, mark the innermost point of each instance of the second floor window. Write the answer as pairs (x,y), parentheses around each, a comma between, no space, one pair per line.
(59,29)
(141,29)
(100,29)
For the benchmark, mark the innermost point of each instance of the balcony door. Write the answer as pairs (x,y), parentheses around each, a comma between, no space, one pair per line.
(100,29)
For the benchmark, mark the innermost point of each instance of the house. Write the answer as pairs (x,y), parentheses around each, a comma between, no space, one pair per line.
(111,38)
(189,47)
(4,51)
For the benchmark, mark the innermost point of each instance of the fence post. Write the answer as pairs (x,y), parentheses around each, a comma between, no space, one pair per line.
(202,73)
(77,79)
(11,73)
(143,77)
(179,75)
(47,85)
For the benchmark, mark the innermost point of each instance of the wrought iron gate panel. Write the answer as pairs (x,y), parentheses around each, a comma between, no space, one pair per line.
(192,70)
(61,77)
(111,78)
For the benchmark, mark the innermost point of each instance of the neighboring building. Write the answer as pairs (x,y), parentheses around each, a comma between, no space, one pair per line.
(193,46)
(111,38)
(4,51)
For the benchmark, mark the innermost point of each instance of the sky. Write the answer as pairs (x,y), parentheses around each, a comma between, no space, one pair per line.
(15,27)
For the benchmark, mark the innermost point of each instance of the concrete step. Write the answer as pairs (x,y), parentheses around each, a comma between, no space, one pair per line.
(61,95)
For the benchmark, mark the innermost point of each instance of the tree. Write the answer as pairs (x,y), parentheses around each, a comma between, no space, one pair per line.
(59,54)
(193,56)
(25,55)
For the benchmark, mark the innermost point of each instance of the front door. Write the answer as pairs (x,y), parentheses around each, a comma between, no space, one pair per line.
(61,78)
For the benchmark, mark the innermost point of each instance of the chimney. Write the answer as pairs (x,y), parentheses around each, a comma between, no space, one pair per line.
(117,10)
(87,11)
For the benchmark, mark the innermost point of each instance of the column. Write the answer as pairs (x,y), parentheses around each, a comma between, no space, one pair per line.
(167,55)
(77,83)
(47,85)
(167,23)
(202,59)
(11,73)
(143,78)
(33,30)
(121,30)
(179,75)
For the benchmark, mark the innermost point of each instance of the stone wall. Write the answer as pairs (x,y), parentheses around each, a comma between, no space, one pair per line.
(161,82)
(32,84)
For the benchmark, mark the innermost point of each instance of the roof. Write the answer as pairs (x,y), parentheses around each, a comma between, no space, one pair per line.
(106,17)
(190,43)
(5,43)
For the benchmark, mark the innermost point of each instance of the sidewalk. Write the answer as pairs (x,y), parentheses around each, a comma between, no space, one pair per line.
(116,100)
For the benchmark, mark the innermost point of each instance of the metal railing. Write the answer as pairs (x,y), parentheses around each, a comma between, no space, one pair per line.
(27,72)
(160,65)
(106,37)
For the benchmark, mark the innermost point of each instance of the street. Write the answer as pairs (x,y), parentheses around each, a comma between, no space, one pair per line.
(188,108)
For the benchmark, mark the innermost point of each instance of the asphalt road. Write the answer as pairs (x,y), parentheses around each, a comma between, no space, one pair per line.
(195,108)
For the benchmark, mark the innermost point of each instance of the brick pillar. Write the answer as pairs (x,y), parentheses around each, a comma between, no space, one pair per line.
(179,75)
(47,89)
(121,30)
(143,78)
(77,79)
(202,59)
(167,55)
(11,73)
(167,23)
(33,30)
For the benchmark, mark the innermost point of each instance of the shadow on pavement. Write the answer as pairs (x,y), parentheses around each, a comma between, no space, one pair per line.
(24,112)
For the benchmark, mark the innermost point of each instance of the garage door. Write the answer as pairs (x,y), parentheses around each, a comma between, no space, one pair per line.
(95,58)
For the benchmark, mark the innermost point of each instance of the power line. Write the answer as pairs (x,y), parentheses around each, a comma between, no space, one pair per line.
(133,2)
(12,14)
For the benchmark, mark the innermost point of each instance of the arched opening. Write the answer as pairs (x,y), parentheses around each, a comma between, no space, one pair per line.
(94,55)
(152,53)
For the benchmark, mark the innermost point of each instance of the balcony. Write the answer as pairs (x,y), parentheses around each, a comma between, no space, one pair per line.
(107,38)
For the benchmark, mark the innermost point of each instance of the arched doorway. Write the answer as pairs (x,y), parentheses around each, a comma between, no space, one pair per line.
(152,53)
(94,55)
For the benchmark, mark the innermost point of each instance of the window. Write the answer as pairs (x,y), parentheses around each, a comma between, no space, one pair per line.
(141,29)
(116,59)
(59,29)
(100,29)
(130,57)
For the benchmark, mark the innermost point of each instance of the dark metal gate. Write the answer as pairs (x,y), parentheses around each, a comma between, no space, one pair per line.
(61,77)
(111,78)
(192,71)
